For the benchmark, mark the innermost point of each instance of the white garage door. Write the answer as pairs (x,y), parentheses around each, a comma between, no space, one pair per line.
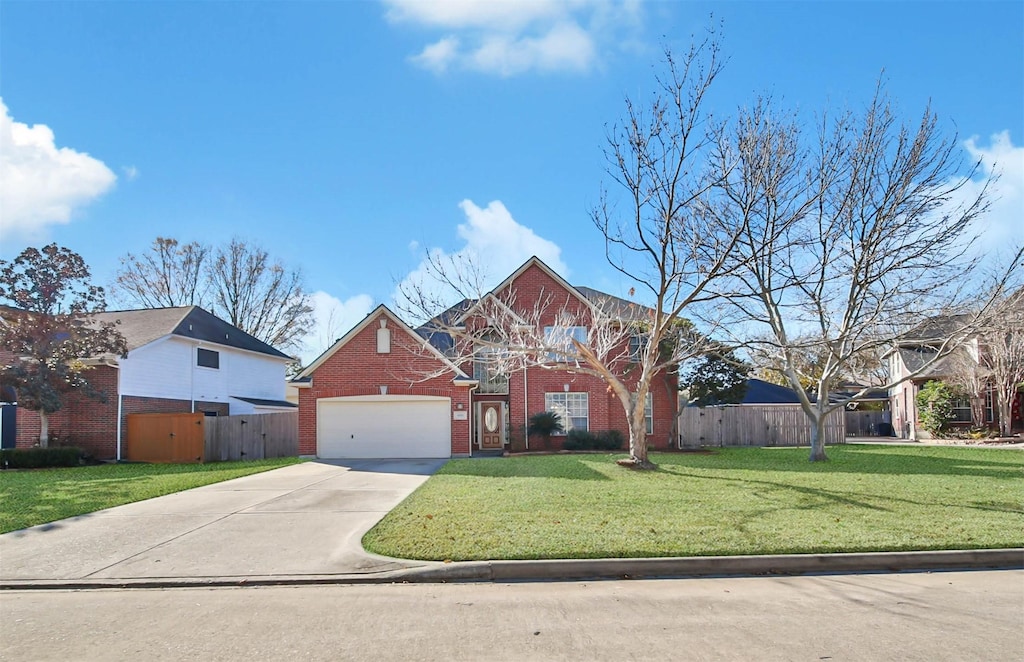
(384,426)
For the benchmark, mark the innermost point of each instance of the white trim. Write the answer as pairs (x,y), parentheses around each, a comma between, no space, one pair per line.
(382,398)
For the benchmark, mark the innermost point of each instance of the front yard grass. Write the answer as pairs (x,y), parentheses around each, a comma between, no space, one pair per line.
(735,501)
(28,498)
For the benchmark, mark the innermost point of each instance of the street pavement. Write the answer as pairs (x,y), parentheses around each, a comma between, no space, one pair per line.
(930,617)
(300,520)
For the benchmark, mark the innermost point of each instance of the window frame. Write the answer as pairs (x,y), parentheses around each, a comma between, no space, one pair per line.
(565,414)
(209,352)
(569,332)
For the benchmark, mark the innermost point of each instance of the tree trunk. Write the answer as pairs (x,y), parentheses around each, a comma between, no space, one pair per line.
(1005,415)
(818,438)
(638,435)
(44,429)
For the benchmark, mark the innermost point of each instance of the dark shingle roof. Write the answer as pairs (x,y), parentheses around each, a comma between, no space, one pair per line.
(262,402)
(760,392)
(140,327)
(615,307)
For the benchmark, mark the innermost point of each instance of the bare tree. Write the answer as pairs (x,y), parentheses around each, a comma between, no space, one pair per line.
(664,241)
(970,378)
(259,295)
(1002,354)
(852,237)
(238,282)
(167,274)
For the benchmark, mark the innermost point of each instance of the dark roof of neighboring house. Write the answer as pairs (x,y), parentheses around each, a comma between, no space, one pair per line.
(140,327)
(261,402)
(615,307)
(760,392)
(935,329)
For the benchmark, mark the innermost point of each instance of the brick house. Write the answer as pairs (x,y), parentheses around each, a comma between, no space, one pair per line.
(388,390)
(181,359)
(912,363)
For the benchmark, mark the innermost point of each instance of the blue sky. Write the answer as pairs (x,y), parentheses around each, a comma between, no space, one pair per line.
(350,137)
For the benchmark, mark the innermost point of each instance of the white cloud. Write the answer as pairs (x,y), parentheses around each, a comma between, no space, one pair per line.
(494,245)
(1002,227)
(131,172)
(510,38)
(42,184)
(334,318)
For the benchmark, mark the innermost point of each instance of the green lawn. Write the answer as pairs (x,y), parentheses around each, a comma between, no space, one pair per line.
(38,496)
(736,501)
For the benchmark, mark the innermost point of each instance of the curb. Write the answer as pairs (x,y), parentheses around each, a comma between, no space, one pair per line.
(585,569)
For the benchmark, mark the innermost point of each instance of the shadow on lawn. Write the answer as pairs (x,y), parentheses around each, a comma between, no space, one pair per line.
(819,496)
(852,459)
(562,466)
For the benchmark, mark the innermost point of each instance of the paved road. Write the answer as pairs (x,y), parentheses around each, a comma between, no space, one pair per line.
(915,616)
(304,519)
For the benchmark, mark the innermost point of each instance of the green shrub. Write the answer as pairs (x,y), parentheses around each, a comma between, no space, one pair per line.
(611,440)
(935,407)
(583,440)
(545,424)
(37,458)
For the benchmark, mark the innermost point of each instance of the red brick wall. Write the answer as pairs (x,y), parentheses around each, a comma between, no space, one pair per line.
(85,422)
(606,410)
(357,369)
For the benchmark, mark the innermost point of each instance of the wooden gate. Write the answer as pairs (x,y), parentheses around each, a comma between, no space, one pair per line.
(251,436)
(174,438)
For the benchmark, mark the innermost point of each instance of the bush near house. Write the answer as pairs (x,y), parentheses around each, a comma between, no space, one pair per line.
(583,440)
(935,407)
(38,458)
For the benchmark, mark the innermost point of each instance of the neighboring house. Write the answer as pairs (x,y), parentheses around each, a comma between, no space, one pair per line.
(388,390)
(181,359)
(917,350)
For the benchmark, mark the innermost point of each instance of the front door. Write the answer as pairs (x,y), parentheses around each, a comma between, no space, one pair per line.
(492,425)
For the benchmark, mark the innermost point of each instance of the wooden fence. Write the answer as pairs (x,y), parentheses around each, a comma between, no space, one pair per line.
(183,438)
(754,425)
(252,436)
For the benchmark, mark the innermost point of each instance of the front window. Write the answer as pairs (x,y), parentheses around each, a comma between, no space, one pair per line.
(561,337)
(649,414)
(961,409)
(573,409)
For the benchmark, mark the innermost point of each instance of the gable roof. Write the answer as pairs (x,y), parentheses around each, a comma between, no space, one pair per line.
(460,376)
(141,327)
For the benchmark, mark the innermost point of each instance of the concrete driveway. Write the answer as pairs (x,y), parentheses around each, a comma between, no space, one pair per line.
(304,519)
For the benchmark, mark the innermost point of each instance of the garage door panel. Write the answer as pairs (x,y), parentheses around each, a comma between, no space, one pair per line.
(384,428)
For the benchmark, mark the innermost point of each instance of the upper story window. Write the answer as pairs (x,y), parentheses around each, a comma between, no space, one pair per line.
(487,369)
(207,358)
(637,346)
(562,337)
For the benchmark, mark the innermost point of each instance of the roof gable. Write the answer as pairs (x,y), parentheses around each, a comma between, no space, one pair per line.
(401,325)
